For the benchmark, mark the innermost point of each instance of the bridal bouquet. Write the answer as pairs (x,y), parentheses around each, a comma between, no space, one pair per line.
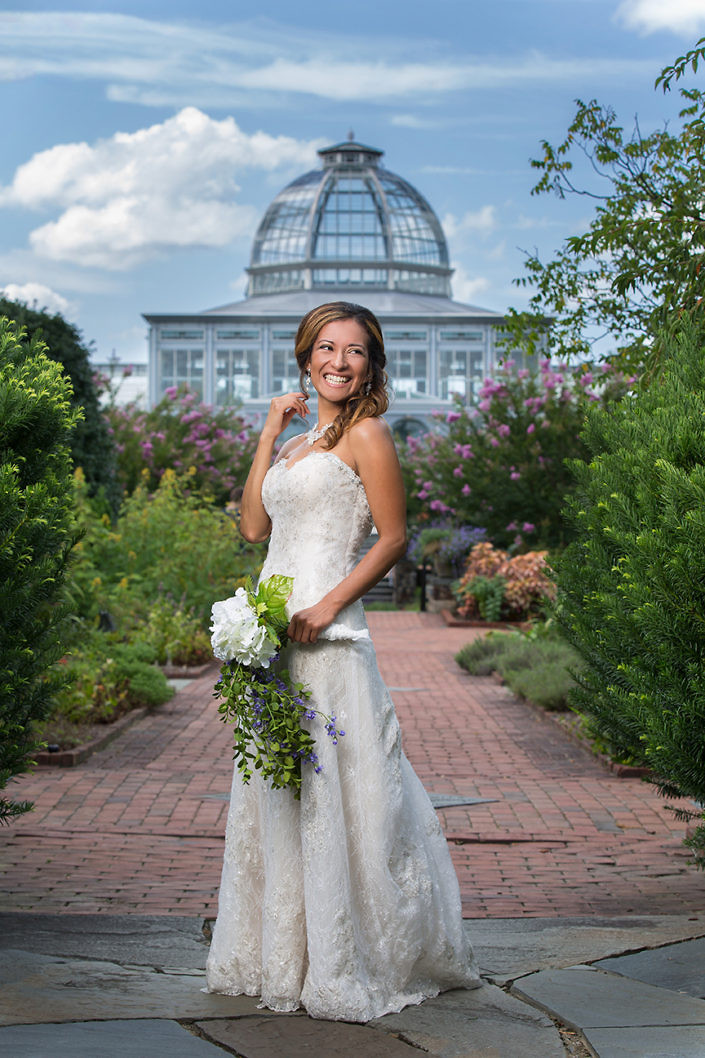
(264,704)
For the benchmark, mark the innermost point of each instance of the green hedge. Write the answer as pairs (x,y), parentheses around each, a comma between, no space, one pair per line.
(37,533)
(632,585)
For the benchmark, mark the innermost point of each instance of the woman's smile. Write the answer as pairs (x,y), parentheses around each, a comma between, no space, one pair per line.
(339,361)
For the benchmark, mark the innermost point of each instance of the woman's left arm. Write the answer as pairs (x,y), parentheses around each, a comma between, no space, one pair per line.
(371,446)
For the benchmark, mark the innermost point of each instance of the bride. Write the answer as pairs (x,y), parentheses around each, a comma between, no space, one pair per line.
(345,902)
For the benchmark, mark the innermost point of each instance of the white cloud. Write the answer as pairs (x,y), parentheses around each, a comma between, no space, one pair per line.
(685,17)
(133,195)
(411,121)
(465,287)
(173,63)
(483,220)
(38,296)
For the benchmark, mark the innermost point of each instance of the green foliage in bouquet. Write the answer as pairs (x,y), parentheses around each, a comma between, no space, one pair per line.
(37,533)
(632,584)
(260,699)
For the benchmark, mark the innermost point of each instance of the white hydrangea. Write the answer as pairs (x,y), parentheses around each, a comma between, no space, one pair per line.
(236,633)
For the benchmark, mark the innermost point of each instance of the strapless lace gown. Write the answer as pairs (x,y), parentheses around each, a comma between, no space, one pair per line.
(345,902)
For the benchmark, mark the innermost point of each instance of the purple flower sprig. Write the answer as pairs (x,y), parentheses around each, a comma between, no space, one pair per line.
(267,709)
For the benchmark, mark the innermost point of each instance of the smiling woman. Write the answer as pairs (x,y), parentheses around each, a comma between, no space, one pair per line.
(344,902)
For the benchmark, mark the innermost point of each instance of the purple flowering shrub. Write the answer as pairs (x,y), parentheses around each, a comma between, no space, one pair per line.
(500,465)
(179,433)
(441,542)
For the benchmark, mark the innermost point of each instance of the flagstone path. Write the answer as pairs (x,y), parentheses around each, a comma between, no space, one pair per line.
(138,827)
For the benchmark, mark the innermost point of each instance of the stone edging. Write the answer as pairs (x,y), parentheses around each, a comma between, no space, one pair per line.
(184,672)
(622,771)
(69,758)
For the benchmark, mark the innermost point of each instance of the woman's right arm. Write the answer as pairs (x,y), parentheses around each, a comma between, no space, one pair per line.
(255,525)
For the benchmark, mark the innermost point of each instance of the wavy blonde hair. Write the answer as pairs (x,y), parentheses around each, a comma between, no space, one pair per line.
(361,405)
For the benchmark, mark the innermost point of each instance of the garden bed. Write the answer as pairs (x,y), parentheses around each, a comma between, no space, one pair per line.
(100,735)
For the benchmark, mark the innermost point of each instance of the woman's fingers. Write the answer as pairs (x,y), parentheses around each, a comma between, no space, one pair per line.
(282,409)
(302,630)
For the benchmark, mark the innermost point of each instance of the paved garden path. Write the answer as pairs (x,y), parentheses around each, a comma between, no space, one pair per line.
(139,826)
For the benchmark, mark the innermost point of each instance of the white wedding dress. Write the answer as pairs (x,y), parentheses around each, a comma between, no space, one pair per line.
(346,902)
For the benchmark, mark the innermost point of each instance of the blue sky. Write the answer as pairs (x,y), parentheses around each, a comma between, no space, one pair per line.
(142,142)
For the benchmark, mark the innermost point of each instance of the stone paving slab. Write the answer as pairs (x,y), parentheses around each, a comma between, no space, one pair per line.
(584,998)
(482,1023)
(510,948)
(680,967)
(106,1039)
(167,941)
(687,1041)
(44,988)
(293,1036)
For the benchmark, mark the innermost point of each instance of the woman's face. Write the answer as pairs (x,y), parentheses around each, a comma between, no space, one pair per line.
(339,362)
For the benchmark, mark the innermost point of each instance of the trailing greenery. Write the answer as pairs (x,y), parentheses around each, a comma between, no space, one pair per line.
(535,667)
(37,533)
(632,585)
(91,444)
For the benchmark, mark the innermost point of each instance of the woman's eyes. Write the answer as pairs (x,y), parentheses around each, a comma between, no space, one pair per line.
(329,349)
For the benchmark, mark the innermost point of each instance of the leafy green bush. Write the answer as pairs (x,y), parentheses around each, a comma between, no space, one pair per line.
(479,658)
(632,585)
(166,545)
(91,445)
(105,679)
(147,685)
(37,532)
(488,595)
(175,636)
(535,667)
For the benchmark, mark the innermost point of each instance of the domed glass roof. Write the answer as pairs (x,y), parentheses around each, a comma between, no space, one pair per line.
(351,223)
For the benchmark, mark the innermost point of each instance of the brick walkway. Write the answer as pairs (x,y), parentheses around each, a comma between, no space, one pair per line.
(139,826)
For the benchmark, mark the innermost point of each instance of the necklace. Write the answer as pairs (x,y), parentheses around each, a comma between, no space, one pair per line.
(317,433)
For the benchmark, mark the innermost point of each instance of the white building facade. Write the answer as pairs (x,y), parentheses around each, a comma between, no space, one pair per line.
(349,231)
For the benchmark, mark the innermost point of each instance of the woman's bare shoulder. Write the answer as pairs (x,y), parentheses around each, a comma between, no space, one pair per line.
(370,431)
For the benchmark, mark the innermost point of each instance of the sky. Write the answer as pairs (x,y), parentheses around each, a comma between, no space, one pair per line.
(143,141)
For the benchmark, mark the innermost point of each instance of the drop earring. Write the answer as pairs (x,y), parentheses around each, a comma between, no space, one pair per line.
(307,382)
(367,389)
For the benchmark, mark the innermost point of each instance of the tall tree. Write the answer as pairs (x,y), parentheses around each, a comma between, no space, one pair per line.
(642,255)
(92,446)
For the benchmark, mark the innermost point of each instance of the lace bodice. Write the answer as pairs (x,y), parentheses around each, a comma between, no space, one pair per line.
(320,518)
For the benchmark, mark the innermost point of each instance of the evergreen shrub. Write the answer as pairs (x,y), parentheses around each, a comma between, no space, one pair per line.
(91,445)
(632,584)
(37,533)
